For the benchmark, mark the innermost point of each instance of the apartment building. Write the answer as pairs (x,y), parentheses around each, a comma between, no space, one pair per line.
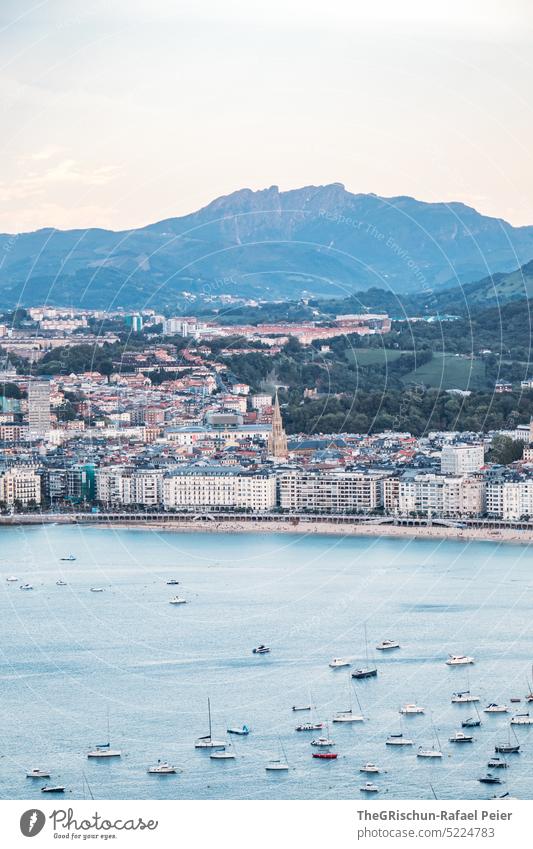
(440,495)
(461,459)
(121,485)
(330,492)
(19,484)
(510,500)
(219,486)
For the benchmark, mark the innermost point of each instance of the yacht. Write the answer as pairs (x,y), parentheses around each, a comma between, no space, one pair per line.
(61,583)
(177,600)
(493,708)
(262,649)
(348,716)
(301,707)
(69,558)
(162,768)
(11,579)
(321,742)
(522,719)
(38,773)
(459,660)
(369,787)
(411,709)
(25,587)
(398,740)
(309,726)
(325,756)
(172,582)
(464,697)
(386,645)
(97,589)
(223,755)
(471,722)
(277,766)
(461,737)
(104,750)
(370,768)
(207,742)
(490,779)
(497,763)
(365,672)
(428,753)
(52,789)
(339,663)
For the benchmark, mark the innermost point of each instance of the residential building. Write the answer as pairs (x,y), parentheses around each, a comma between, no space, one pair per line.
(461,459)
(219,486)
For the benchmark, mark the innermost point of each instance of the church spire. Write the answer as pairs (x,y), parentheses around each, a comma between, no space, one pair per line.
(277,443)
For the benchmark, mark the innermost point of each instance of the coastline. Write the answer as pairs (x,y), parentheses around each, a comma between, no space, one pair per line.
(507,535)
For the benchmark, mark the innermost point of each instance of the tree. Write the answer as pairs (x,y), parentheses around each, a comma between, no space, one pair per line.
(505,450)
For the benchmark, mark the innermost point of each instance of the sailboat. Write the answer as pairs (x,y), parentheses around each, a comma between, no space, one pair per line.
(367,671)
(207,742)
(508,748)
(348,716)
(471,721)
(279,764)
(529,696)
(226,754)
(104,750)
(435,751)
(522,719)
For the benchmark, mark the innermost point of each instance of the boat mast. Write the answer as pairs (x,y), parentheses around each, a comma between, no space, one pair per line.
(209,712)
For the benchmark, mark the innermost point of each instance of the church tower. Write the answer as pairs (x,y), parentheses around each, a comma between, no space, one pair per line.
(277,443)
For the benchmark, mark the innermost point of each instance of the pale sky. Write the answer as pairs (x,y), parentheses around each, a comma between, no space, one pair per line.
(118,113)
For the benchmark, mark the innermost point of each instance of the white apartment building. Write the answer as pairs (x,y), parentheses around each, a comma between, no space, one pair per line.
(122,486)
(461,459)
(444,496)
(20,484)
(226,434)
(330,492)
(260,401)
(219,486)
(38,408)
(510,500)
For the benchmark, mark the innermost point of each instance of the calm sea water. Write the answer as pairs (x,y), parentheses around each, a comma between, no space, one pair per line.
(68,656)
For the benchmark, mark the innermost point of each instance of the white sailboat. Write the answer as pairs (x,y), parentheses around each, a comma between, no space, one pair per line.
(207,742)
(522,719)
(227,754)
(435,750)
(104,750)
(279,764)
(348,716)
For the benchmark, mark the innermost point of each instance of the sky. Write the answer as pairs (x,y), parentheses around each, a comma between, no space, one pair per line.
(124,112)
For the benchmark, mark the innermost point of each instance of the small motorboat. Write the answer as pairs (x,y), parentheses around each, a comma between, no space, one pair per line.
(494,708)
(25,587)
(162,768)
(242,732)
(61,583)
(11,579)
(428,753)
(459,660)
(177,600)
(325,756)
(261,649)
(497,763)
(69,558)
(370,768)
(522,719)
(490,779)
(52,789)
(38,773)
(365,672)
(369,787)
(301,707)
(339,663)
(348,716)
(386,645)
(398,740)
(463,697)
(322,742)
(515,700)
(411,709)
(172,582)
(97,589)
(460,737)
(277,766)
(310,726)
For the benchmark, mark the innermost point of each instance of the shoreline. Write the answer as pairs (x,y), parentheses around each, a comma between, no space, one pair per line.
(302,528)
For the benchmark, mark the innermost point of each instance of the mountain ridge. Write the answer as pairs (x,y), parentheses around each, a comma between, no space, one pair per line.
(314,240)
